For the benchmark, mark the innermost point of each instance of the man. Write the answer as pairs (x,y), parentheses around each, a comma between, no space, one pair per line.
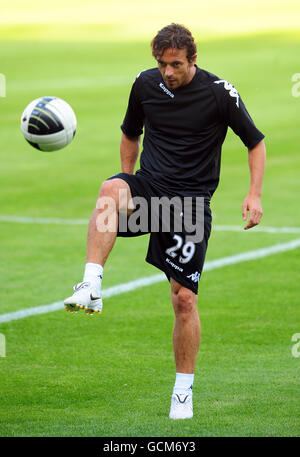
(186,112)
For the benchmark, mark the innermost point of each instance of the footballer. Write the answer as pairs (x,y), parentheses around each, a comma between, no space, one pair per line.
(184,112)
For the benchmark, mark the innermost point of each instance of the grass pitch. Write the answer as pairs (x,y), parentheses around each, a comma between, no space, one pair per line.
(112,375)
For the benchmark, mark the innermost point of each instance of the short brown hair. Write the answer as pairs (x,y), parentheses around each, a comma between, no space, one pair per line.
(173,36)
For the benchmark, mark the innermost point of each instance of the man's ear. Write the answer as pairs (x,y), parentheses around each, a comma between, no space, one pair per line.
(193,59)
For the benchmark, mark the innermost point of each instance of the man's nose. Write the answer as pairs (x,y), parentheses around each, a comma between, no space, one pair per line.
(169,71)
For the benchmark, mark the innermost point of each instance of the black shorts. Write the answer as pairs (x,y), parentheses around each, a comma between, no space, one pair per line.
(169,251)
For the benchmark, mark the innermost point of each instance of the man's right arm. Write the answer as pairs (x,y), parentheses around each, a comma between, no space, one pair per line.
(129,150)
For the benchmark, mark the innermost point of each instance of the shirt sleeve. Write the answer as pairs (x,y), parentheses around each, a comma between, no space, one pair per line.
(236,115)
(134,118)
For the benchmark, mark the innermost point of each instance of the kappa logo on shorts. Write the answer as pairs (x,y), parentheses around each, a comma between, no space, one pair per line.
(195,277)
(232,91)
(173,265)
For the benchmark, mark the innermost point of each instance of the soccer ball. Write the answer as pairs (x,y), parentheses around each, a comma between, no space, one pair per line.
(48,123)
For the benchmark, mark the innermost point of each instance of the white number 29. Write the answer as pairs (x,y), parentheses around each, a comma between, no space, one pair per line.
(188,249)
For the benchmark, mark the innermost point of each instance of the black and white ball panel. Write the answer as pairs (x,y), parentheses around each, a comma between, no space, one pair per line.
(48,123)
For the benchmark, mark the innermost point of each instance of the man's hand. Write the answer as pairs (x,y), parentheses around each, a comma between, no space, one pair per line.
(253,205)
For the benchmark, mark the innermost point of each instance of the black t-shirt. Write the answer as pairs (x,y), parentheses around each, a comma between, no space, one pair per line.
(185,129)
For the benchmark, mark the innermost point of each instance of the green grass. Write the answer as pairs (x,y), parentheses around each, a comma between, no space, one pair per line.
(112,375)
(76,376)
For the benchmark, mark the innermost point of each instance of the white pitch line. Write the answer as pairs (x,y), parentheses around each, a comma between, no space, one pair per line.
(42,220)
(142,282)
(217,228)
(259,228)
(106,293)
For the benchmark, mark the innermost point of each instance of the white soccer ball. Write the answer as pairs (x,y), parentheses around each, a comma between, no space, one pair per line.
(48,123)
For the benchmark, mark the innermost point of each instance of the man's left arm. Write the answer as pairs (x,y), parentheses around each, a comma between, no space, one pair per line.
(252,204)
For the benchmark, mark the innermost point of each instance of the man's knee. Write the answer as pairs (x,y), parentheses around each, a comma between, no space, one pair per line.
(184,301)
(111,187)
(118,190)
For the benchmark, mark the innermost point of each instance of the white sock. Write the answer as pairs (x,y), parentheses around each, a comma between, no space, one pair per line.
(93,273)
(183,383)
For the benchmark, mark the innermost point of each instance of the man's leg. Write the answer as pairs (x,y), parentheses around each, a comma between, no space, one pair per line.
(187,330)
(186,341)
(100,242)
(102,232)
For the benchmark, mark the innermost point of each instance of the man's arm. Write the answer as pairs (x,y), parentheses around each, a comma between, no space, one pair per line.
(129,149)
(257,162)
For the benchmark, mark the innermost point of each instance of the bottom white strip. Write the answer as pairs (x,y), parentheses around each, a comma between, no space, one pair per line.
(142,282)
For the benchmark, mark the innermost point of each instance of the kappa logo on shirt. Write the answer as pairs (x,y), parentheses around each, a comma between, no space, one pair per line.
(167,91)
(232,91)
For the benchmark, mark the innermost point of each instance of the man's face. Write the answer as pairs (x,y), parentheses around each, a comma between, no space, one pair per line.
(175,68)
